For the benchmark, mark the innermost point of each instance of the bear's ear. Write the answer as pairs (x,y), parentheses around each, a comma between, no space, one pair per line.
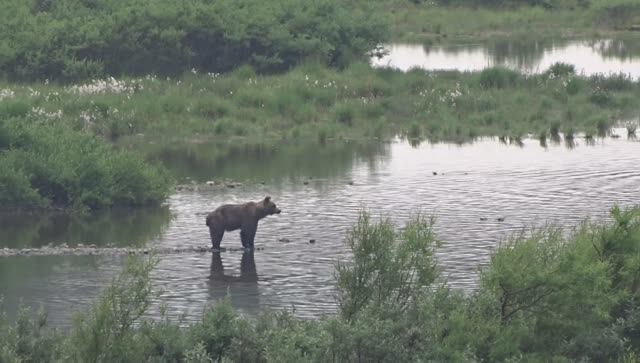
(267,199)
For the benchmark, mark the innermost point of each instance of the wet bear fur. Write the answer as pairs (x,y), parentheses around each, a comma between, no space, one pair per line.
(230,217)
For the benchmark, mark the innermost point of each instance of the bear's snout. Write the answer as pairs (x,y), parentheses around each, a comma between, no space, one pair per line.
(278,211)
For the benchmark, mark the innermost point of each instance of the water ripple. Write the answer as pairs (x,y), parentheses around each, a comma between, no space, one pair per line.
(475,185)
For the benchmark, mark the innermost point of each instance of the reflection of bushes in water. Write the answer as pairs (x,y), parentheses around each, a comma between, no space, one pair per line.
(620,48)
(124,227)
(542,297)
(521,51)
(262,162)
(631,129)
(526,52)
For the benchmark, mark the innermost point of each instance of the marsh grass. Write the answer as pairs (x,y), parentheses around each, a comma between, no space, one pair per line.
(315,102)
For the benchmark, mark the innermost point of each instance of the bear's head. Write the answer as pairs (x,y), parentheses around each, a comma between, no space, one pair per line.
(270,207)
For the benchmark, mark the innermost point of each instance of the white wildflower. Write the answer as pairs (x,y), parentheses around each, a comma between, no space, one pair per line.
(108,85)
(41,112)
(6,93)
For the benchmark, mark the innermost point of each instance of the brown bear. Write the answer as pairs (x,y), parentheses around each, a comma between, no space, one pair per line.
(245,217)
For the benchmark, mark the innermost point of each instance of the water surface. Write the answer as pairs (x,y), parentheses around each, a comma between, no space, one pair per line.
(460,184)
(527,55)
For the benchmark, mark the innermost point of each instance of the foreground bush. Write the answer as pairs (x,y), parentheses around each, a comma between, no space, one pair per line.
(543,297)
(51,166)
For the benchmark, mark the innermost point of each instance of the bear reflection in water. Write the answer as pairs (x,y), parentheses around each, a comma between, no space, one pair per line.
(243,288)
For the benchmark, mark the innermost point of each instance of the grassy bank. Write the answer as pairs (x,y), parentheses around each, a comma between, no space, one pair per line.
(316,103)
(471,20)
(543,297)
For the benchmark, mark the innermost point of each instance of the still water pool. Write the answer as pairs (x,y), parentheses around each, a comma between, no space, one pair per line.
(589,57)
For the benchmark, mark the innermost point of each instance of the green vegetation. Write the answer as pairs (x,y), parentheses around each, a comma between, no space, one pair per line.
(265,73)
(47,165)
(82,39)
(543,297)
(316,103)
(465,20)
(79,39)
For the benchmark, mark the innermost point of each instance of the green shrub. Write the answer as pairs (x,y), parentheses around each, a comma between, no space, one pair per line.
(345,114)
(560,69)
(73,39)
(51,165)
(498,78)
(107,332)
(390,268)
(414,131)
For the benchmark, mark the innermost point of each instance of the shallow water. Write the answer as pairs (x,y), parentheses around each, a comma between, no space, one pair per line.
(528,185)
(529,56)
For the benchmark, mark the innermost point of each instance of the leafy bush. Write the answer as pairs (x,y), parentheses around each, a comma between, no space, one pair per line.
(106,333)
(77,39)
(53,166)
(390,268)
(560,69)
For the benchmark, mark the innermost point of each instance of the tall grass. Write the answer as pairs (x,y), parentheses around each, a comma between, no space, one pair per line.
(546,295)
(315,102)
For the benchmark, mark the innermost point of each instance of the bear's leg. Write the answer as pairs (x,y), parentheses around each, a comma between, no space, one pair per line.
(248,234)
(216,237)
(243,238)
